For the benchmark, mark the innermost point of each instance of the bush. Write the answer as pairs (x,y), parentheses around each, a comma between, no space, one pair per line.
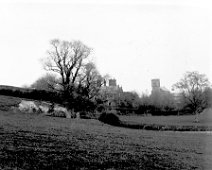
(59,114)
(100,108)
(109,118)
(31,94)
(87,115)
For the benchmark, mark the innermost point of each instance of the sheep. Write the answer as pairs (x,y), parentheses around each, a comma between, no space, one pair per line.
(61,112)
(44,109)
(28,106)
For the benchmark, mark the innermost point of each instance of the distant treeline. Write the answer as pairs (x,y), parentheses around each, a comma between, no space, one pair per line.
(127,103)
(50,96)
(77,103)
(30,93)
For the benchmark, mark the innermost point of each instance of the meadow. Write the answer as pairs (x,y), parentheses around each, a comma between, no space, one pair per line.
(176,123)
(35,141)
(205,119)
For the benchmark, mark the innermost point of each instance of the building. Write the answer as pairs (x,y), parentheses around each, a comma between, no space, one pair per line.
(111,87)
(155,85)
(112,82)
(111,91)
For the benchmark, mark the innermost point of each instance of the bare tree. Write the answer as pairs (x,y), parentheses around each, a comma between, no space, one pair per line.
(66,59)
(192,86)
(91,81)
(47,82)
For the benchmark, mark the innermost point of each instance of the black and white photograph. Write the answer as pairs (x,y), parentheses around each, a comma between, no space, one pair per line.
(105,84)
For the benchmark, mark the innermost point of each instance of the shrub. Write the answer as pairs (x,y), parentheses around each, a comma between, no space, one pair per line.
(87,115)
(60,114)
(100,108)
(109,118)
(57,114)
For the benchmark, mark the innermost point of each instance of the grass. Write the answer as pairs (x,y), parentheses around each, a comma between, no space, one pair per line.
(39,142)
(177,123)
(33,141)
(6,102)
(205,119)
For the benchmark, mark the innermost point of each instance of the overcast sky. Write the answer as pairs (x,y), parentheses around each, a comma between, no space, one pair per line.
(133,41)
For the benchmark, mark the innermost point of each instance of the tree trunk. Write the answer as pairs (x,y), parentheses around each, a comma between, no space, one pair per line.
(196,120)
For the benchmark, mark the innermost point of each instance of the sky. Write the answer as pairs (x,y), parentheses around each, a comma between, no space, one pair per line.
(133,41)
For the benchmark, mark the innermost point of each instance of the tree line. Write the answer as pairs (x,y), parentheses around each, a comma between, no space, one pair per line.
(73,80)
(79,80)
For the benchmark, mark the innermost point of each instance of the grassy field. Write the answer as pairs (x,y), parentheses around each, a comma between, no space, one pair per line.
(6,102)
(174,123)
(205,119)
(34,141)
(38,142)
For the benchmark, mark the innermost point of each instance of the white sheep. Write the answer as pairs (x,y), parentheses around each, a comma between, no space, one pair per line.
(61,112)
(44,109)
(28,106)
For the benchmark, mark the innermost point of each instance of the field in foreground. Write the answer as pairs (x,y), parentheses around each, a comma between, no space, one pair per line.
(39,142)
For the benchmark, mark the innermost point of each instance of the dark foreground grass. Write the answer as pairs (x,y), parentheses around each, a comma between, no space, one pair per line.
(39,142)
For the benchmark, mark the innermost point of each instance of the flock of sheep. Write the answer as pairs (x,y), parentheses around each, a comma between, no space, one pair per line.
(46,109)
